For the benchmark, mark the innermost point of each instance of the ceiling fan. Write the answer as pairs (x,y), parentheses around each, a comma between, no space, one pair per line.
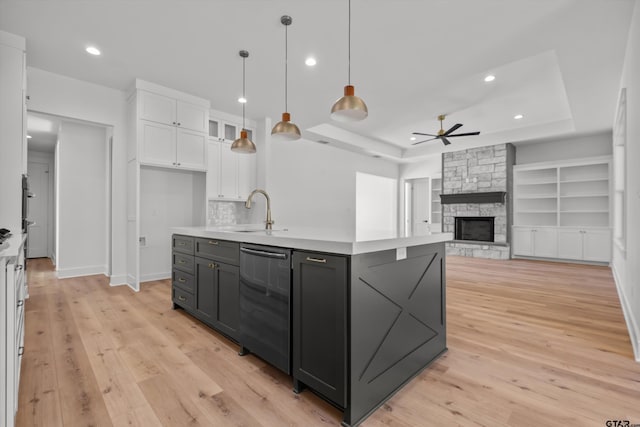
(442,135)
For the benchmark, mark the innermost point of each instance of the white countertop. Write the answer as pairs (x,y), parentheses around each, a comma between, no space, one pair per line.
(11,247)
(313,239)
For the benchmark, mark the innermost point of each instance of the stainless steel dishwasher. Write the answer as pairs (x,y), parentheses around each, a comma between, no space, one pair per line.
(265,311)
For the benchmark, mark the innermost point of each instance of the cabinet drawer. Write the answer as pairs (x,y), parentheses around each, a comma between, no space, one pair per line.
(184,281)
(183,262)
(183,244)
(182,298)
(219,250)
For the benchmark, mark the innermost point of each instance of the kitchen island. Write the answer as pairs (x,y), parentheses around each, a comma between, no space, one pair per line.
(367,316)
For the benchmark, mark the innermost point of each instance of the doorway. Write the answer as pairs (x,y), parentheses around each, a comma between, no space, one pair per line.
(69,167)
(417,200)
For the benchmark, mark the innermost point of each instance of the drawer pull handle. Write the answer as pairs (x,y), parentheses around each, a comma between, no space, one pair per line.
(320,260)
(181,298)
(181,243)
(212,265)
(20,303)
(182,261)
(181,280)
(213,242)
(20,350)
(18,267)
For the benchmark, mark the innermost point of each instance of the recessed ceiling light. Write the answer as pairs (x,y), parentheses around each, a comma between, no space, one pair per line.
(310,61)
(93,50)
(413,138)
(518,116)
(29,137)
(489,78)
(242,100)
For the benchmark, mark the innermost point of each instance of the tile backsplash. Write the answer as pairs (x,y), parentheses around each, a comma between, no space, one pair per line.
(227,213)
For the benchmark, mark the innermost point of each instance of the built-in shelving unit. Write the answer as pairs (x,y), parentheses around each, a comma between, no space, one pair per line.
(569,197)
(436,207)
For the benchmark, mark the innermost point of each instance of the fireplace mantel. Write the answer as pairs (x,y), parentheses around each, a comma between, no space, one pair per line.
(487,197)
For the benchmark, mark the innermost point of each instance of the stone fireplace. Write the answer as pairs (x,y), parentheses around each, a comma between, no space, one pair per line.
(476,205)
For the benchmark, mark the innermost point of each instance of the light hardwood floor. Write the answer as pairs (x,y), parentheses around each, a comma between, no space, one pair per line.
(530,344)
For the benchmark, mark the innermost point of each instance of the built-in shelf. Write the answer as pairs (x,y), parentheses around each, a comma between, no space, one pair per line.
(572,193)
(436,208)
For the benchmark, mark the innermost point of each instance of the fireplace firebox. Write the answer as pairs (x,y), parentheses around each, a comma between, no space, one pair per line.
(474,228)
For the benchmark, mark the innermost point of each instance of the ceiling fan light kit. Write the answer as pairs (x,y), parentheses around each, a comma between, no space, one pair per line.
(243,144)
(349,108)
(285,129)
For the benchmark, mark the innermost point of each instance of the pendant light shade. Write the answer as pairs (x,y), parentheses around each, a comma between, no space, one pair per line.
(243,144)
(349,108)
(285,130)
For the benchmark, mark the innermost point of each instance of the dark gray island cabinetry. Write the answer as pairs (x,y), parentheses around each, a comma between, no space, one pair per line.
(365,317)
(366,324)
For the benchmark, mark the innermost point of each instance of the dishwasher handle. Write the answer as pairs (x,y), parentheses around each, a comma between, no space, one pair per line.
(265,254)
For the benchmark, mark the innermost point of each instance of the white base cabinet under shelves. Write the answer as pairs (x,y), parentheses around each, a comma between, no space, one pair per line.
(576,244)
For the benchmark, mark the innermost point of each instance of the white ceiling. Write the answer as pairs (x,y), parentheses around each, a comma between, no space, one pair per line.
(558,62)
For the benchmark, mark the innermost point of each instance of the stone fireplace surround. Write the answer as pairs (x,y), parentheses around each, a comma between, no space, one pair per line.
(472,174)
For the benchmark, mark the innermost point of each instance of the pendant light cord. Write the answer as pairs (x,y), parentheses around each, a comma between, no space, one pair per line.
(349,53)
(243,90)
(286,66)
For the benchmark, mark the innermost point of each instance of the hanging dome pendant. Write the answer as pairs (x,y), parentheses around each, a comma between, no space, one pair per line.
(243,144)
(285,130)
(349,108)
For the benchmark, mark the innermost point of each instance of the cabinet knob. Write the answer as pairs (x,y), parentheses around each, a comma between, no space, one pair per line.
(181,298)
(213,242)
(181,280)
(212,265)
(18,267)
(178,123)
(20,350)
(20,303)
(173,123)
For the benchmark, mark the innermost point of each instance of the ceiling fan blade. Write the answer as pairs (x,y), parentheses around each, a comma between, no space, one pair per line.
(426,140)
(464,134)
(453,128)
(445,141)
(425,134)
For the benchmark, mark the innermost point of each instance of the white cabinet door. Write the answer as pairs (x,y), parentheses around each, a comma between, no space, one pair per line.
(230,131)
(191,150)
(157,108)
(570,244)
(192,117)
(213,168)
(596,245)
(545,242)
(522,241)
(246,174)
(228,172)
(158,144)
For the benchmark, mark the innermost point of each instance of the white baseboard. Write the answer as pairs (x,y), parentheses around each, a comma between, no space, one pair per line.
(155,276)
(632,326)
(131,282)
(118,280)
(80,271)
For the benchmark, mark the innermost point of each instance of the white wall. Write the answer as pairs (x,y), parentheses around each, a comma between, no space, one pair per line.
(169,198)
(626,266)
(314,185)
(566,148)
(82,200)
(376,207)
(63,96)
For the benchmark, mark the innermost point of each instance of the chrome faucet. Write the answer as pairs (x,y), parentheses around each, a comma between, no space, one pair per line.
(247,204)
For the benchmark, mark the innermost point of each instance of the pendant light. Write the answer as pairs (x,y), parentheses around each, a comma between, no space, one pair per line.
(243,144)
(349,108)
(285,130)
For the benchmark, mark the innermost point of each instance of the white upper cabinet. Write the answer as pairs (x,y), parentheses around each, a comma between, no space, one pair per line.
(172,132)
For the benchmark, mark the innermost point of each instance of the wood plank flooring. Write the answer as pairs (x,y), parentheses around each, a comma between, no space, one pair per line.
(530,344)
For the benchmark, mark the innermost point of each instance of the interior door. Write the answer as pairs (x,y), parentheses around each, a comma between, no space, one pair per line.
(38,232)
(420,206)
